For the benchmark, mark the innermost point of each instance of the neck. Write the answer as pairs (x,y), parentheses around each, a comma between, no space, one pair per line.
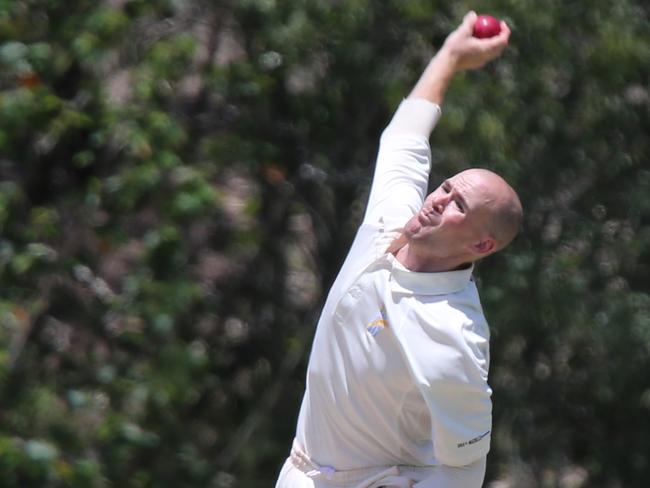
(409,257)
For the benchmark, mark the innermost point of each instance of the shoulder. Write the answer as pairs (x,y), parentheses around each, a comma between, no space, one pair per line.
(458,323)
(459,309)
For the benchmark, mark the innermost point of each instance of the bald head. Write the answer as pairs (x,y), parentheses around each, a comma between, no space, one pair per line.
(469,216)
(502,206)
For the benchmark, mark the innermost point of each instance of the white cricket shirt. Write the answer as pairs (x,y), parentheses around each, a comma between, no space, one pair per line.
(399,365)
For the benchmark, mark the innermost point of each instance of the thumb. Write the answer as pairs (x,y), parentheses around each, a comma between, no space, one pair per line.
(468,22)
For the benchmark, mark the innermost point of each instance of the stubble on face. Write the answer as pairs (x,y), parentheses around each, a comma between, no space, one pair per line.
(455,224)
(467,197)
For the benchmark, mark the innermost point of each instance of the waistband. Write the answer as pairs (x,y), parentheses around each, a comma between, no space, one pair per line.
(374,477)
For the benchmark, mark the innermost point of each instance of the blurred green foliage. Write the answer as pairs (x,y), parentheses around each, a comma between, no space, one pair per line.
(180,180)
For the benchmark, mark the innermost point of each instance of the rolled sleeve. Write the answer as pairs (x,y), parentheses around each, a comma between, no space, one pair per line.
(414,116)
(403,163)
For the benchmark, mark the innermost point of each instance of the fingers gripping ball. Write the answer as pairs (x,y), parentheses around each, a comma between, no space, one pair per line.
(486,26)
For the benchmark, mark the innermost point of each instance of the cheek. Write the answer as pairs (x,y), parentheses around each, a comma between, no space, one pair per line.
(455,219)
(458,225)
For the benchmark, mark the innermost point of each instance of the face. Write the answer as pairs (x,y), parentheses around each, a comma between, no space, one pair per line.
(452,220)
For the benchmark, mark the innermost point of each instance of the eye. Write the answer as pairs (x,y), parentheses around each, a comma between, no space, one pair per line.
(459,206)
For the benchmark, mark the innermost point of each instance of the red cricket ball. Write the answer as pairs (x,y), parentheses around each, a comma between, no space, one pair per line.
(486,26)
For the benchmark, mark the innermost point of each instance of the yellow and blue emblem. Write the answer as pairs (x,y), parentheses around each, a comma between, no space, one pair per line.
(377,325)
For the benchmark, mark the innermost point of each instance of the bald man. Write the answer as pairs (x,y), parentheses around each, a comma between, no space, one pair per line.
(397,392)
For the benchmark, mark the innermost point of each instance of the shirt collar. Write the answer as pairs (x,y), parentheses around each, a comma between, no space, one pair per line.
(411,282)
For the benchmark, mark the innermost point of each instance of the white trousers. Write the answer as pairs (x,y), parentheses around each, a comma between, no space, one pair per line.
(292,477)
(301,472)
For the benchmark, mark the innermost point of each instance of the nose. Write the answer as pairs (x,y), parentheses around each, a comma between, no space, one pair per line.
(440,202)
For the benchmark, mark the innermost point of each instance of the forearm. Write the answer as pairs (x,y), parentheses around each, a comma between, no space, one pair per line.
(470,476)
(435,79)
(461,51)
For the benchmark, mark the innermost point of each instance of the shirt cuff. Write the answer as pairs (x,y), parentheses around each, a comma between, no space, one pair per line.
(415,116)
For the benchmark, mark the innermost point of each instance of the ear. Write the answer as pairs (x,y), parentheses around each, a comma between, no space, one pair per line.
(486,246)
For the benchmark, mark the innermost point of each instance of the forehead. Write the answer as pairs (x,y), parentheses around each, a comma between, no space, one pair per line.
(469,183)
(474,187)
(470,178)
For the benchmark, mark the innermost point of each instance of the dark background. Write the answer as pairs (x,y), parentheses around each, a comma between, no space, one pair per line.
(180,181)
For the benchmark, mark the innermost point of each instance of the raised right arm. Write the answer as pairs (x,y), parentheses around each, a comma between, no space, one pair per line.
(461,51)
(403,163)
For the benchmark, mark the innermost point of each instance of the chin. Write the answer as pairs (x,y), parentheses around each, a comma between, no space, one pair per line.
(412,229)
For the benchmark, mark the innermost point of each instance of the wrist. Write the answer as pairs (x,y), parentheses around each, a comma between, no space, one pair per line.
(447,63)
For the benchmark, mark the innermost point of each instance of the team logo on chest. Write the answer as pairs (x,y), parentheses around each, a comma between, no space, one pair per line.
(378,324)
